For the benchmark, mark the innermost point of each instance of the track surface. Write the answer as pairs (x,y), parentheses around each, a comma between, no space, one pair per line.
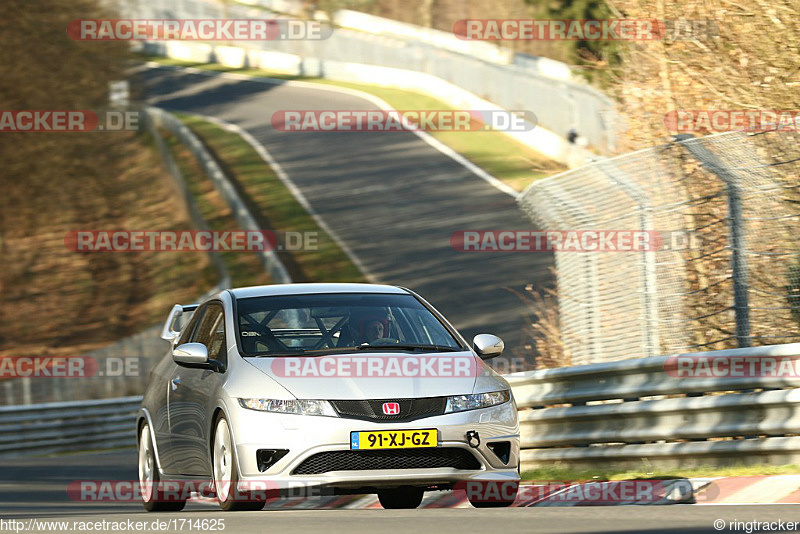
(36,488)
(391,197)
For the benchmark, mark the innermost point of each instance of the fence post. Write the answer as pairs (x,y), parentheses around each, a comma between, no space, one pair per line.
(738,246)
(739,264)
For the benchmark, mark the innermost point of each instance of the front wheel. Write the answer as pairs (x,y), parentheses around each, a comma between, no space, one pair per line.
(400,498)
(226,474)
(153,496)
(494,494)
(487,502)
(493,504)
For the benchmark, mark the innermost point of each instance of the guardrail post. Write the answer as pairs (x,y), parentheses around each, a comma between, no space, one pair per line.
(26,390)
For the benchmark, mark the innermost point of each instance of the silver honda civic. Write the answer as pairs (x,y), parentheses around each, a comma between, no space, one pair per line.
(313,389)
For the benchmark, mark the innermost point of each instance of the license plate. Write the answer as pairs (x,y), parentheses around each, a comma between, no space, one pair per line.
(394,439)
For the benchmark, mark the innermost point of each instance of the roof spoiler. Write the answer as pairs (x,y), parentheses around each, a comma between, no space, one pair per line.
(169,332)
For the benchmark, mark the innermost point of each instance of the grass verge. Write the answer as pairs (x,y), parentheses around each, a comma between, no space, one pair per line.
(244,267)
(275,208)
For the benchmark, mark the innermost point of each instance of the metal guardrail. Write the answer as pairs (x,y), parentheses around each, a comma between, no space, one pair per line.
(633,411)
(199,223)
(68,426)
(162,119)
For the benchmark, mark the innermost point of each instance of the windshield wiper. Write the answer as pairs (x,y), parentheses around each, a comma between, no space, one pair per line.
(303,352)
(273,354)
(363,346)
(408,346)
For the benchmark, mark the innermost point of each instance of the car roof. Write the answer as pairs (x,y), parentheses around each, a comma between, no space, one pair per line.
(310,289)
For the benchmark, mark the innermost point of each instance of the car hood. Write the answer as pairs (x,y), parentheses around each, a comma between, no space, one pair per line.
(302,376)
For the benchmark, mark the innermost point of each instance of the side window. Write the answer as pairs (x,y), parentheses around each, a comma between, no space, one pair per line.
(211,332)
(187,333)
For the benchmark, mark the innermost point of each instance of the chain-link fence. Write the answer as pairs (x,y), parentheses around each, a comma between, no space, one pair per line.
(727,270)
(560,106)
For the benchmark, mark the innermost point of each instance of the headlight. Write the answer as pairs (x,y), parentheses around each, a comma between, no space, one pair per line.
(299,407)
(462,403)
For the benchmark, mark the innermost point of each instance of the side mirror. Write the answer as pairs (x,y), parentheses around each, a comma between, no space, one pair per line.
(488,346)
(194,355)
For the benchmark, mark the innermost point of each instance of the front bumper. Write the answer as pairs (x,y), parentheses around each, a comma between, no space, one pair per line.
(305,436)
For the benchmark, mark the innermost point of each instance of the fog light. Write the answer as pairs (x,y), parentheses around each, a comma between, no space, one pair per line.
(266,458)
(501,449)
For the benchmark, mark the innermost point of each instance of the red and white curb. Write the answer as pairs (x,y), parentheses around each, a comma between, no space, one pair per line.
(778,489)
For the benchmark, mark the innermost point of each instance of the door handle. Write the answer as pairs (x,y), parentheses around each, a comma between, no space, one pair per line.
(176,382)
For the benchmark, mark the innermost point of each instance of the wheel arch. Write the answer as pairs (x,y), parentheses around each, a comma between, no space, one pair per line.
(222,410)
(141,418)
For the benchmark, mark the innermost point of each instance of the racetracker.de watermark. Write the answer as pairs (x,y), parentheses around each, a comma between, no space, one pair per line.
(175,524)
(584,30)
(67,367)
(183,490)
(197,30)
(572,241)
(377,366)
(403,120)
(188,240)
(584,493)
(722,366)
(75,120)
(727,120)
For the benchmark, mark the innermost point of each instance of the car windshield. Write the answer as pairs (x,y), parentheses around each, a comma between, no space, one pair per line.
(330,323)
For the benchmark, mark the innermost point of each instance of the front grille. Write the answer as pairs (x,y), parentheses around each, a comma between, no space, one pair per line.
(325,462)
(372,410)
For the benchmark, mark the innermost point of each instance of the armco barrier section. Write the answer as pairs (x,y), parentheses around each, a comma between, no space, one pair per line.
(269,259)
(68,426)
(633,412)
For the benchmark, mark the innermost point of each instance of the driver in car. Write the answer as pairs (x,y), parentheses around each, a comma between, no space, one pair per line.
(370,323)
(373,330)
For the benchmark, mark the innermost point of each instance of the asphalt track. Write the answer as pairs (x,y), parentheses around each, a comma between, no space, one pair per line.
(393,199)
(36,488)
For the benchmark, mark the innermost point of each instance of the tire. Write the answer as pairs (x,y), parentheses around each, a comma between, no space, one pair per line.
(400,498)
(226,474)
(496,504)
(149,480)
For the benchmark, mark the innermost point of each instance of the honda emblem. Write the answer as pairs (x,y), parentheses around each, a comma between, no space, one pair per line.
(391,408)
